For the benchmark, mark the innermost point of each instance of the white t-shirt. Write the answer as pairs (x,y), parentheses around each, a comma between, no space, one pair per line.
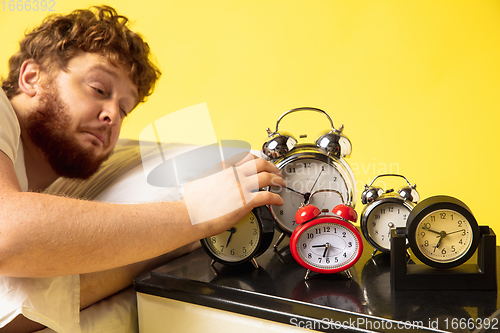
(10,139)
(53,302)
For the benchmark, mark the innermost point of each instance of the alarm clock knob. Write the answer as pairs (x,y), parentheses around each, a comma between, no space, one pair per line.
(346,212)
(409,193)
(278,145)
(306,213)
(335,143)
(370,194)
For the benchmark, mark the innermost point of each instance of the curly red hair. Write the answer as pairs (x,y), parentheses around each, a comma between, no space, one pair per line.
(98,29)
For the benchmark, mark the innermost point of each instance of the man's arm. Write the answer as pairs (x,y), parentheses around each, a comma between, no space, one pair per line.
(43,235)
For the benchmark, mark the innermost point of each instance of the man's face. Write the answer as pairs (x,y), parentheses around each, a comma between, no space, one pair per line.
(79,115)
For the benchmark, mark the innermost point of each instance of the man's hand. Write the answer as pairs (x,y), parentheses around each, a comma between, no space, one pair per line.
(223,198)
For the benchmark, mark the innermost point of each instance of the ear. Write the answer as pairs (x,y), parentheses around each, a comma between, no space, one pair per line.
(29,77)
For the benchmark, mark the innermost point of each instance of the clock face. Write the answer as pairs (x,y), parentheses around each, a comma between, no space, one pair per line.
(444,236)
(303,177)
(326,247)
(237,244)
(380,218)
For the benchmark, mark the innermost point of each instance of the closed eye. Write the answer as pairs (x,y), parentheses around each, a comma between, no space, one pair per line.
(99,91)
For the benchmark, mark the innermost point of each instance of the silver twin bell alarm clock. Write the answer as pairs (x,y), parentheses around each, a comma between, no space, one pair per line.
(385,210)
(309,167)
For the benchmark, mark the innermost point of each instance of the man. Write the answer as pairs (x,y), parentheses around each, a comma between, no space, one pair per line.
(69,87)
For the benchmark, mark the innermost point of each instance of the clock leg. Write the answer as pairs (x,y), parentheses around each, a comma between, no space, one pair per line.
(374,251)
(306,277)
(254,262)
(348,273)
(280,239)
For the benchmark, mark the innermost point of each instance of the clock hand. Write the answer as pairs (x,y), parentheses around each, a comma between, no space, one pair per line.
(443,235)
(316,181)
(327,245)
(434,231)
(291,189)
(232,231)
(453,232)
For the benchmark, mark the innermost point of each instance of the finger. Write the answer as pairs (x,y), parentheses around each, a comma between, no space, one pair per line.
(256,166)
(259,180)
(252,184)
(262,198)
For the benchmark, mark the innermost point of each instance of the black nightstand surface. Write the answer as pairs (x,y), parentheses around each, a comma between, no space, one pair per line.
(277,291)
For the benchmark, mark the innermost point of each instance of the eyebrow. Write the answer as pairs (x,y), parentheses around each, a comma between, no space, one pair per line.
(112,73)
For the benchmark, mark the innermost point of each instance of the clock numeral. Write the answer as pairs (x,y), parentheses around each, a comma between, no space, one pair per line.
(244,250)
(252,219)
(382,211)
(442,215)
(344,234)
(453,248)
(328,260)
(307,165)
(309,255)
(426,243)
(304,246)
(377,217)
(318,231)
(281,212)
(459,223)
(326,229)
(251,242)
(255,231)
(214,240)
(232,252)
(291,170)
(433,219)
(310,236)
(391,209)
(443,251)
(349,244)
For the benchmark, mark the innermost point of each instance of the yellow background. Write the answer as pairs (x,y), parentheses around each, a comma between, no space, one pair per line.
(415,82)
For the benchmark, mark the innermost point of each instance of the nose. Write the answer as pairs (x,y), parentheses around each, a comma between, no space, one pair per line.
(110,113)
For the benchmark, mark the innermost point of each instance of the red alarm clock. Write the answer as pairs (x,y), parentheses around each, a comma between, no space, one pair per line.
(326,243)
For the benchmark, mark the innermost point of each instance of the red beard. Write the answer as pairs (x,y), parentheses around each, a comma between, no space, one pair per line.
(47,127)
